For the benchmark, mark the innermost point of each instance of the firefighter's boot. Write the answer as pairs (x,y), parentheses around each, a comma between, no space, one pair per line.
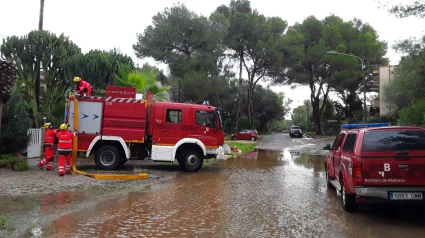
(41,164)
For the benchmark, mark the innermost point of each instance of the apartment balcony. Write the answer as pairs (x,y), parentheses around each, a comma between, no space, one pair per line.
(376,102)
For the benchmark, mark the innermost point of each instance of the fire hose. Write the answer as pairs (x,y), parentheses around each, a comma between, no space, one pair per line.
(97,176)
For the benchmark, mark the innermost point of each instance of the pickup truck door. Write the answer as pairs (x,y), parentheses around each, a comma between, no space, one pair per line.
(337,151)
(334,156)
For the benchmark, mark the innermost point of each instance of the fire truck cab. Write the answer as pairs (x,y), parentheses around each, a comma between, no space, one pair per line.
(116,129)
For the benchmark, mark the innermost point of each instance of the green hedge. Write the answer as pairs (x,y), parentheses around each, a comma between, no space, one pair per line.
(13,162)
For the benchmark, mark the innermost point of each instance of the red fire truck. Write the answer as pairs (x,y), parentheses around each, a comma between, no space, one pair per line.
(120,127)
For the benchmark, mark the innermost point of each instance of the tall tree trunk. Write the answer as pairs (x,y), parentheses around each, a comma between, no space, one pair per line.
(37,80)
(40,22)
(1,112)
(240,90)
(316,115)
(250,106)
(37,85)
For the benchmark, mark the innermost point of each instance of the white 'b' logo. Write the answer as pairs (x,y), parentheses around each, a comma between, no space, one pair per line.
(387,167)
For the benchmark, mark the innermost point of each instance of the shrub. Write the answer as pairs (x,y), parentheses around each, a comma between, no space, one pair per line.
(382,119)
(13,162)
(413,114)
(15,124)
(3,222)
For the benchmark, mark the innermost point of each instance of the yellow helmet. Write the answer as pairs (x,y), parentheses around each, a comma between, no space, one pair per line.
(63,127)
(47,125)
(77,79)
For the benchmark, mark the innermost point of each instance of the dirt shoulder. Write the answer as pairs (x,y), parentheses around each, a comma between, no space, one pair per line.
(33,198)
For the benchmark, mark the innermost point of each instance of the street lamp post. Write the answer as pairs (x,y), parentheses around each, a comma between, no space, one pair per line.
(364,81)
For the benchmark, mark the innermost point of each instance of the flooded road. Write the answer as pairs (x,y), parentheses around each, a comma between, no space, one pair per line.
(262,194)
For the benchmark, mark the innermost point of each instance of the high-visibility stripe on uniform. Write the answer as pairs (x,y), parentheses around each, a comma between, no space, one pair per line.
(65,141)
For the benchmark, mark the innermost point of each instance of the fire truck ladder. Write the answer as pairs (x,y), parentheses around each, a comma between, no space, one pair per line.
(96,176)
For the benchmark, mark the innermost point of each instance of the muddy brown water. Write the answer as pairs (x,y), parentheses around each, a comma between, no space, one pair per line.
(261,194)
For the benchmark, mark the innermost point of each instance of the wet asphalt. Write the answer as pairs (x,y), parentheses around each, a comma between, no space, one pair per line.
(276,191)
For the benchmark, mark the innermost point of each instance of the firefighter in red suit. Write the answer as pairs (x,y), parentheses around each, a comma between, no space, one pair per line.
(49,140)
(82,87)
(65,149)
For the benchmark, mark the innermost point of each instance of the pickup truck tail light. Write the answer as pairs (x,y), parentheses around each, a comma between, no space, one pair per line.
(357,172)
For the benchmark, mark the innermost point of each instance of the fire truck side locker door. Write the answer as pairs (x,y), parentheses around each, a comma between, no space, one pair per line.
(89,121)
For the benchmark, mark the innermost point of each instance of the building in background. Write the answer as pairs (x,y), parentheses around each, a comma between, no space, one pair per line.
(379,78)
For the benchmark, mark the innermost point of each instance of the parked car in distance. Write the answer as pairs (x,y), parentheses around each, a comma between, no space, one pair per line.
(247,134)
(295,131)
(377,163)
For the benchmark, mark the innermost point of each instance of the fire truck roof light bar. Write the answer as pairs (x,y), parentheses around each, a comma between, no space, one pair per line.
(368,125)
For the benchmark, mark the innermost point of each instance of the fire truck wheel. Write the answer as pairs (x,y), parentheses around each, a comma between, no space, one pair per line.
(348,200)
(191,161)
(108,158)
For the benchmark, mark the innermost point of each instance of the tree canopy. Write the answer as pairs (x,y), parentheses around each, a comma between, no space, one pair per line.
(323,72)
(52,51)
(402,9)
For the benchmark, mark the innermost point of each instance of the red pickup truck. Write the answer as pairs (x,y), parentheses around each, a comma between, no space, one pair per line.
(375,163)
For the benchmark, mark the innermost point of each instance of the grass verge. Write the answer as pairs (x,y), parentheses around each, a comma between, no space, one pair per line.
(244,147)
(13,162)
(3,221)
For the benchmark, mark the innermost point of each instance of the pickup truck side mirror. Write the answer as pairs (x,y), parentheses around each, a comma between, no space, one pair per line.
(327,147)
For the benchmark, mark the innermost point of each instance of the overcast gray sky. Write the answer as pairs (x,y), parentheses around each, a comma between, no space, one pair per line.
(103,24)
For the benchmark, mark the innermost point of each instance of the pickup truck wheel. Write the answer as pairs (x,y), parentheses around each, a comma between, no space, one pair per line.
(108,158)
(234,138)
(191,161)
(348,200)
(253,138)
(328,183)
